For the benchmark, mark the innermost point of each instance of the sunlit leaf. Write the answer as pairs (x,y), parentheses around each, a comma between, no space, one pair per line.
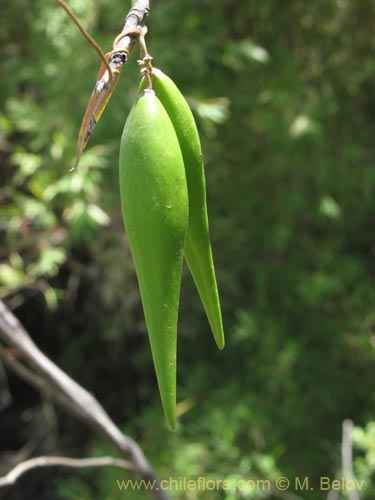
(49,262)
(303,125)
(98,215)
(244,51)
(329,207)
(27,163)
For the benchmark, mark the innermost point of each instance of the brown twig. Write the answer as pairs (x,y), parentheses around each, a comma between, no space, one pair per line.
(125,41)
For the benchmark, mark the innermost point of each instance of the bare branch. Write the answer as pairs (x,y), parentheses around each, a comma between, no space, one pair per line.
(77,463)
(43,374)
(10,459)
(333,495)
(347,455)
(37,382)
(5,397)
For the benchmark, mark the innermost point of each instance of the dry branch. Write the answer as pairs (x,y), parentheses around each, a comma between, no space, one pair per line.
(37,369)
(76,463)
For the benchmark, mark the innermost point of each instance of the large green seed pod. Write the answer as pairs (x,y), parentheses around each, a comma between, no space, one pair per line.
(154,202)
(198,251)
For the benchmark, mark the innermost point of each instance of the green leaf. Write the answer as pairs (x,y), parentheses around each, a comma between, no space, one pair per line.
(49,262)
(240,52)
(98,215)
(329,208)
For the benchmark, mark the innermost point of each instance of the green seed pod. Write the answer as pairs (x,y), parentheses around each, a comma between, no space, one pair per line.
(198,251)
(154,202)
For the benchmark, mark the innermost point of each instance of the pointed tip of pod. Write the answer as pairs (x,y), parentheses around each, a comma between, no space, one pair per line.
(171,424)
(220,343)
(218,334)
(169,408)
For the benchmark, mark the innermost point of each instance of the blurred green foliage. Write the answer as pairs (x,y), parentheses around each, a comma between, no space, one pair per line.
(283,94)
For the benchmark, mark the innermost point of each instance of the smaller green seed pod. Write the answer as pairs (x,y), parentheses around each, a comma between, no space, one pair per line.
(198,251)
(154,203)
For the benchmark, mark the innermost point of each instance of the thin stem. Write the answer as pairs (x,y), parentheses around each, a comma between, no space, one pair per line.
(146,58)
(88,37)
